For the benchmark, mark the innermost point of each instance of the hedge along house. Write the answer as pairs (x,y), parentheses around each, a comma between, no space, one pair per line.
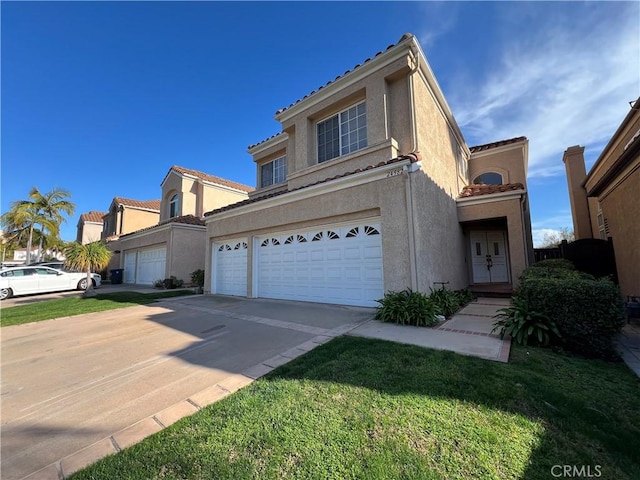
(366,190)
(175,244)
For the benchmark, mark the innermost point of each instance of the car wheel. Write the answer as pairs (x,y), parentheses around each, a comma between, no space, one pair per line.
(5,293)
(82,284)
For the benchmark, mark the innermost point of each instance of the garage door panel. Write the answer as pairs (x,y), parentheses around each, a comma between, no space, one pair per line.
(333,264)
(151,265)
(230,268)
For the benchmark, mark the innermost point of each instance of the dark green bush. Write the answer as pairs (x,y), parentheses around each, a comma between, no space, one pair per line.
(448,302)
(407,308)
(525,325)
(589,313)
(554,272)
(561,263)
(172,282)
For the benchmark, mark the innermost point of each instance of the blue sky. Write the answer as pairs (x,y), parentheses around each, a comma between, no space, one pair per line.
(101,98)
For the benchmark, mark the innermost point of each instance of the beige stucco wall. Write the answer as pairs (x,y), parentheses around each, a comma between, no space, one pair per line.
(573,159)
(135,219)
(185,248)
(508,161)
(384,198)
(439,236)
(89,232)
(511,210)
(620,208)
(196,197)
(435,141)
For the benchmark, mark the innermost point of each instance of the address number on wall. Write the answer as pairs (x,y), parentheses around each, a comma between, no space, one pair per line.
(394,172)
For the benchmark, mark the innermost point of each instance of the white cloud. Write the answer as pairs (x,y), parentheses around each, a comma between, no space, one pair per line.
(566,82)
(540,234)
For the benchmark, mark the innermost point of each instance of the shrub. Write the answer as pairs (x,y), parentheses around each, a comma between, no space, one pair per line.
(172,282)
(589,313)
(197,277)
(554,272)
(448,302)
(407,308)
(524,324)
(555,263)
(158,283)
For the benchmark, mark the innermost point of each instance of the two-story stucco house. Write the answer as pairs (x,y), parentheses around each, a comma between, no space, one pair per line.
(369,187)
(174,244)
(605,203)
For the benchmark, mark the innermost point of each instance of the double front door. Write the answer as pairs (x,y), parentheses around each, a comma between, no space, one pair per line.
(489,257)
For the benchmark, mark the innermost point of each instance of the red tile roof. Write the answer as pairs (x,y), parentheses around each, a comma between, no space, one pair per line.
(413,157)
(148,204)
(478,190)
(212,178)
(92,216)
(404,37)
(500,143)
(184,219)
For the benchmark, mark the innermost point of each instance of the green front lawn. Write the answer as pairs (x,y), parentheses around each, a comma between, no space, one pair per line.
(64,307)
(369,409)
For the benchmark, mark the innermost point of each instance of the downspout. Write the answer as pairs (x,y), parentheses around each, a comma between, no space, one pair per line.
(412,101)
(413,258)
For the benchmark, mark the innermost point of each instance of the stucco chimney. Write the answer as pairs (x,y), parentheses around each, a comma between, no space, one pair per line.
(576,173)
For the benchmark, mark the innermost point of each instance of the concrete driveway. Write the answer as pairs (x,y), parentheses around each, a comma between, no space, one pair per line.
(77,388)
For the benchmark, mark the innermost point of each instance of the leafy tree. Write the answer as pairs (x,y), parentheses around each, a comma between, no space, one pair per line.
(45,211)
(550,240)
(92,256)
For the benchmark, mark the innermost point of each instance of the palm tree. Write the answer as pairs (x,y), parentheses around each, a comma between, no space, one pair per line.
(45,210)
(92,256)
(52,205)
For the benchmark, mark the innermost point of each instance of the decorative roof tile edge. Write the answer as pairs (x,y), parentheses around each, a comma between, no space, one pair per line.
(413,157)
(499,143)
(207,177)
(479,190)
(129,202)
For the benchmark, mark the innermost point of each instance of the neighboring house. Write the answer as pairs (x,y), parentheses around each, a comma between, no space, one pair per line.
(366,190)
(126,215)
(20,254)
(605,203)
(90,227)
(175,244)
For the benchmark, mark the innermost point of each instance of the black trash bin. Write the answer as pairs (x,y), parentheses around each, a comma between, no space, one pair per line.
(116,275)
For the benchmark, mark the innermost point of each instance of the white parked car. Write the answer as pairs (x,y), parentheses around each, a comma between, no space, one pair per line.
(39,279)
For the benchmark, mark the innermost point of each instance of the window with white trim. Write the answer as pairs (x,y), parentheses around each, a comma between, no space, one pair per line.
(273,172)
(488,178)
(342,133)
(173,206)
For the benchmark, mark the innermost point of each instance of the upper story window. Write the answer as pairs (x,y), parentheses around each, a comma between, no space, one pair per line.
(173,206)
(343,133)
(273,172)
(489,178)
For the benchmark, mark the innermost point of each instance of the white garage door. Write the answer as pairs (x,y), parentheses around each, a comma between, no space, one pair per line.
(151,265)
(336,264)
(230,267)
(130,267)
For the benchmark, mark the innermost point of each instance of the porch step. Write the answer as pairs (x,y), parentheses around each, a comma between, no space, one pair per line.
(493,291)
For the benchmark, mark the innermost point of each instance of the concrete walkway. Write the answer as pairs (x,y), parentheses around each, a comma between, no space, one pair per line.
(468,332)
(629,345)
